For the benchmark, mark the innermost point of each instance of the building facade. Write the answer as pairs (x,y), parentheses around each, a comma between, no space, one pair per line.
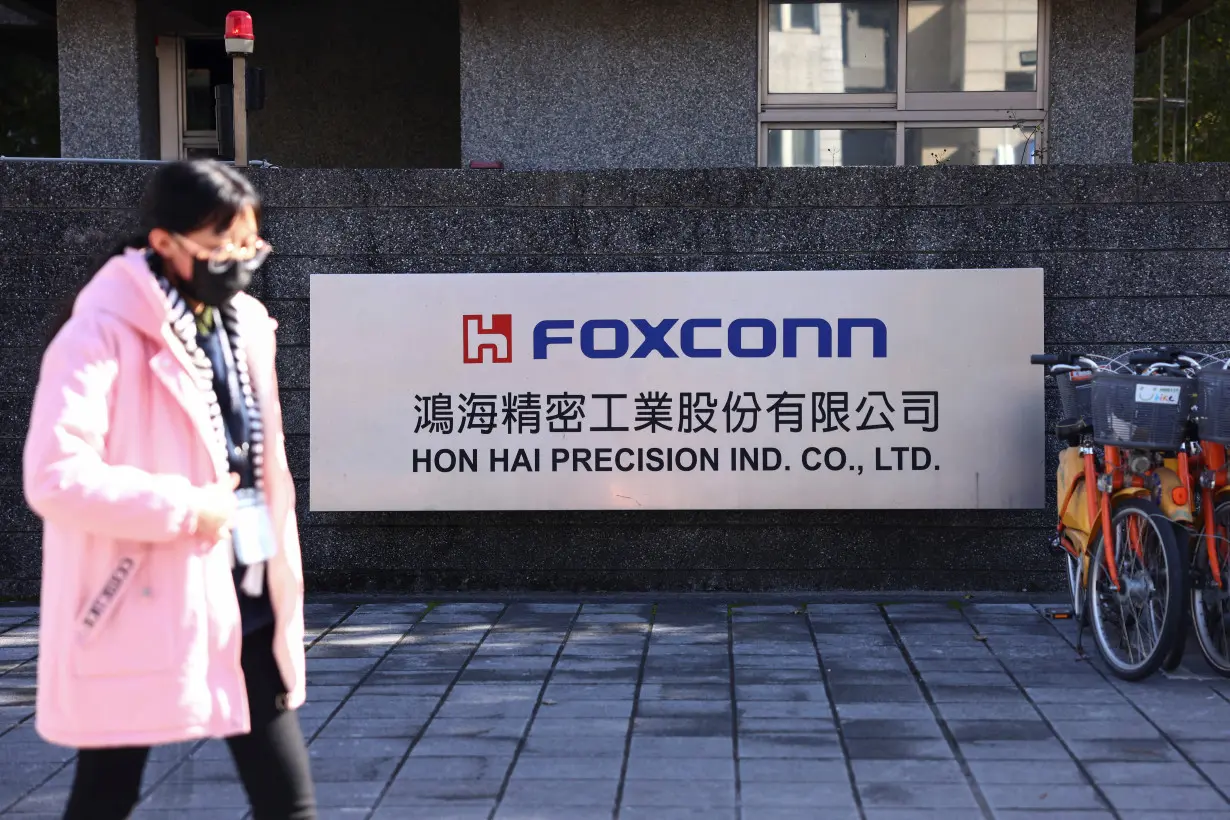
(558,85)
(640,131)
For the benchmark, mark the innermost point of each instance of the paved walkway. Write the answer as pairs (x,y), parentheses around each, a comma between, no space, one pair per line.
(690,709)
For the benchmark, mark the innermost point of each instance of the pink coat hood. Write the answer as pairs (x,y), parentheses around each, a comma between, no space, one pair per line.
(139,635)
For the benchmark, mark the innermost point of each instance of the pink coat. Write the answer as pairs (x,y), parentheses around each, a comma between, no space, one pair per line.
(139,633)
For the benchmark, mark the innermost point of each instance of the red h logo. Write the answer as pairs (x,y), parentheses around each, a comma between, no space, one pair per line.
(480,339)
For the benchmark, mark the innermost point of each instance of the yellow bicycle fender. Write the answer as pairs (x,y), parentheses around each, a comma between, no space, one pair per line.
(1181,513)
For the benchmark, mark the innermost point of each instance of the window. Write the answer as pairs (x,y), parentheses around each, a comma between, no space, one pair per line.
(902,82)
(189,73)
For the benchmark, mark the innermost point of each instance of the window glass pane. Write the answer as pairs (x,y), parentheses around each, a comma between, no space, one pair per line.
(832,47)
(808,147)
(970,146)
(205,65)
(972,45)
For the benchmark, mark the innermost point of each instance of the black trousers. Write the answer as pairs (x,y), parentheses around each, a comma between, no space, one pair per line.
(272,760)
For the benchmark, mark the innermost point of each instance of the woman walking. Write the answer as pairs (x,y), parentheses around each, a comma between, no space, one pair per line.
(172,586)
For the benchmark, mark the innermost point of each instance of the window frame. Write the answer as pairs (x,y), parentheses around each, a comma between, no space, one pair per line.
(905,108)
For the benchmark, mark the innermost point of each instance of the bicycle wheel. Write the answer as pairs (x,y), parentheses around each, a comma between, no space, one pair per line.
(1135,626)
(1183,537)
(1210,606)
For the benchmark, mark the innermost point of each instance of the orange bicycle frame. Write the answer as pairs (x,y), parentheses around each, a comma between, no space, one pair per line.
(1215,462)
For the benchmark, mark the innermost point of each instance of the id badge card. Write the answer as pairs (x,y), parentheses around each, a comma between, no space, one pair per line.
(253,531)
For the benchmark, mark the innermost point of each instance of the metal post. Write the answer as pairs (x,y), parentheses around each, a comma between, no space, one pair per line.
(240,75)
(1187,92)
(1161,100)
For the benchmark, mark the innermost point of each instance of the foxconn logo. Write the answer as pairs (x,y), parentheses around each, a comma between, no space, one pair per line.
(487,341)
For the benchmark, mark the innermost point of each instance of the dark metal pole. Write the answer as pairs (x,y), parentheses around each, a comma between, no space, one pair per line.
(1161,100)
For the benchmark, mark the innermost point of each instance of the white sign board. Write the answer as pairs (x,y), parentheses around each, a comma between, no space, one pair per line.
(891,389)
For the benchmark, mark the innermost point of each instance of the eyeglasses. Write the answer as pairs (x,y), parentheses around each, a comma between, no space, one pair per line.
(219,259)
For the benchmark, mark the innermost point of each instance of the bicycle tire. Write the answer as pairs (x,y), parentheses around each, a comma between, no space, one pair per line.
(1174,659)
(1138,584)
(1217,657)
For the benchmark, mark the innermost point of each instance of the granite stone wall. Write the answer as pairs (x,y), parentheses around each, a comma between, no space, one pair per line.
(1133,255)
(108,82)
(1092,70)
(562,85)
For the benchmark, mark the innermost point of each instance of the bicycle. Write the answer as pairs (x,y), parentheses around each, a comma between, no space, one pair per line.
(1209,599)
(1124,565)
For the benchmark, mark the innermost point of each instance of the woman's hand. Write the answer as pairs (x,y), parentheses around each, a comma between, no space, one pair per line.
(217,508)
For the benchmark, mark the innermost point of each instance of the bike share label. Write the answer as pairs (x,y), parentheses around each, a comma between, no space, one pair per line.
(1156,394)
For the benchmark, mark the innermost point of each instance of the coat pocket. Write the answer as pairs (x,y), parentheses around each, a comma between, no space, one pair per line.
(122,629)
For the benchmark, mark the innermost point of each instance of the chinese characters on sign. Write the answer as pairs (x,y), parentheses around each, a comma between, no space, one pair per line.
(654,411)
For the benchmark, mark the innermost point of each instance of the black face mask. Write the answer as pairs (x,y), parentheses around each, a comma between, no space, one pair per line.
(217,287)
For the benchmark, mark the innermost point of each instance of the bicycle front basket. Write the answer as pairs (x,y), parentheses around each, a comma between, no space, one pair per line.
(1213,405)
(1141,412)
(1075,390)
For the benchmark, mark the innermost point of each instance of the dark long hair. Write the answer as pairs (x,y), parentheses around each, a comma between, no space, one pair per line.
(181,197)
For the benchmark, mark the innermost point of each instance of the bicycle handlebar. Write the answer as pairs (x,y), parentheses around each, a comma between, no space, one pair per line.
(1064,362)
(1165,355)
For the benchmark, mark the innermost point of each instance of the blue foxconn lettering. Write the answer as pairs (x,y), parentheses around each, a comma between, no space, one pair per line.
(704,339)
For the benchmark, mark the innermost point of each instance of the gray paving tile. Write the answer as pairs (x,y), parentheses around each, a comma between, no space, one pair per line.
(915,795)
(580,745)
(562,792)
(1143,750)
(1041,796)
(789,746)
(1168,798)
(779,709)
(440,746)
(641,767)
(372,728)
(534,811)
(875,693)
(798,813)
(1010,771)
(499,728)
(1018,750)
(198,796)
(1118,730)
(818,796)
(673,813)
(998,710)
(1205,751)
(685,726)
(587,709)
(406,791)
(679,708)
(1124,773)
(681,793)
(875,728)
(567,692)
(885,711)
(541,767)
(355,795)
(754,725)
(793,770)
(432,809)
(863,748)
(547,725)
(649,746)
(879,813)
(421,767)
(966,731)
(908,771)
